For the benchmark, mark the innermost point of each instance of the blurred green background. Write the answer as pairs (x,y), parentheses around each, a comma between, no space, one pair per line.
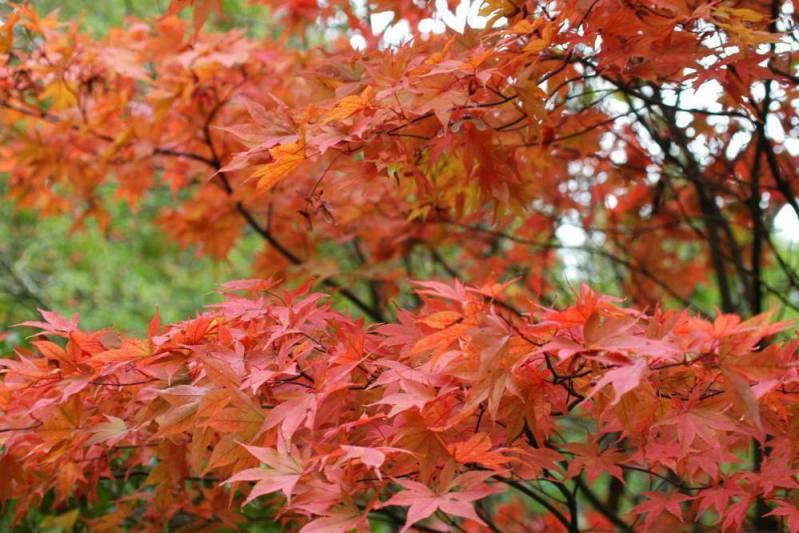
(98,16)
(117,278)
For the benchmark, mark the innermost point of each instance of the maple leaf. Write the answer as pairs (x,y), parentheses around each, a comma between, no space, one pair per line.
(282,474)
(624,379)
(477,449)
(336,520)
(110,432)
(349,105)
(286,159)
(55,324)
(455,292)
(735,514)
(373,457)
(416,395)
(742,396)
(719,496)
(705,420)
(657,503)
(789,510)
(62,522)
(496,9)
(61,95)
(250,285)
(290,414)
(596,461)
(422,502)
(442,319)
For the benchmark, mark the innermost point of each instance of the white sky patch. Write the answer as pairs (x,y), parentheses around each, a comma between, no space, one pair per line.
(397,32)
(466,14)
(432,26)
(358,42)
(571,236)
(786,225)
(381,21)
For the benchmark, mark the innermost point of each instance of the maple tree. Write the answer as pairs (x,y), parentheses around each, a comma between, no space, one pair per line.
(661,129)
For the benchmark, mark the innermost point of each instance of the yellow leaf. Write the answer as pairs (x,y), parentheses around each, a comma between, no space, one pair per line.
(61,94)
(287,158)
(7,33)
(531,95)
(60,523)
(479,57)
(350,105)
(118,143)
(524,26)
(746,15)
(496,9)
(536,45)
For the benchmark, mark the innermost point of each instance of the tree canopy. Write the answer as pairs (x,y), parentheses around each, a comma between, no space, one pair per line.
(521,274)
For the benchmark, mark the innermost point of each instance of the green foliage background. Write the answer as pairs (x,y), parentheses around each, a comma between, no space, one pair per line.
(118,278)
(115,278)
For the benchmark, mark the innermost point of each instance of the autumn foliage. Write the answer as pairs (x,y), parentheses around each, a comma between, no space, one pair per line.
(475,402)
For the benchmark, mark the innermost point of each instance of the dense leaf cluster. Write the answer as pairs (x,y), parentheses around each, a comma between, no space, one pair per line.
(662,132)
(429,417)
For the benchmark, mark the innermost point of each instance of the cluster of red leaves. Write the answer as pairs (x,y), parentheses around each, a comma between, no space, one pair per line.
(336,421)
